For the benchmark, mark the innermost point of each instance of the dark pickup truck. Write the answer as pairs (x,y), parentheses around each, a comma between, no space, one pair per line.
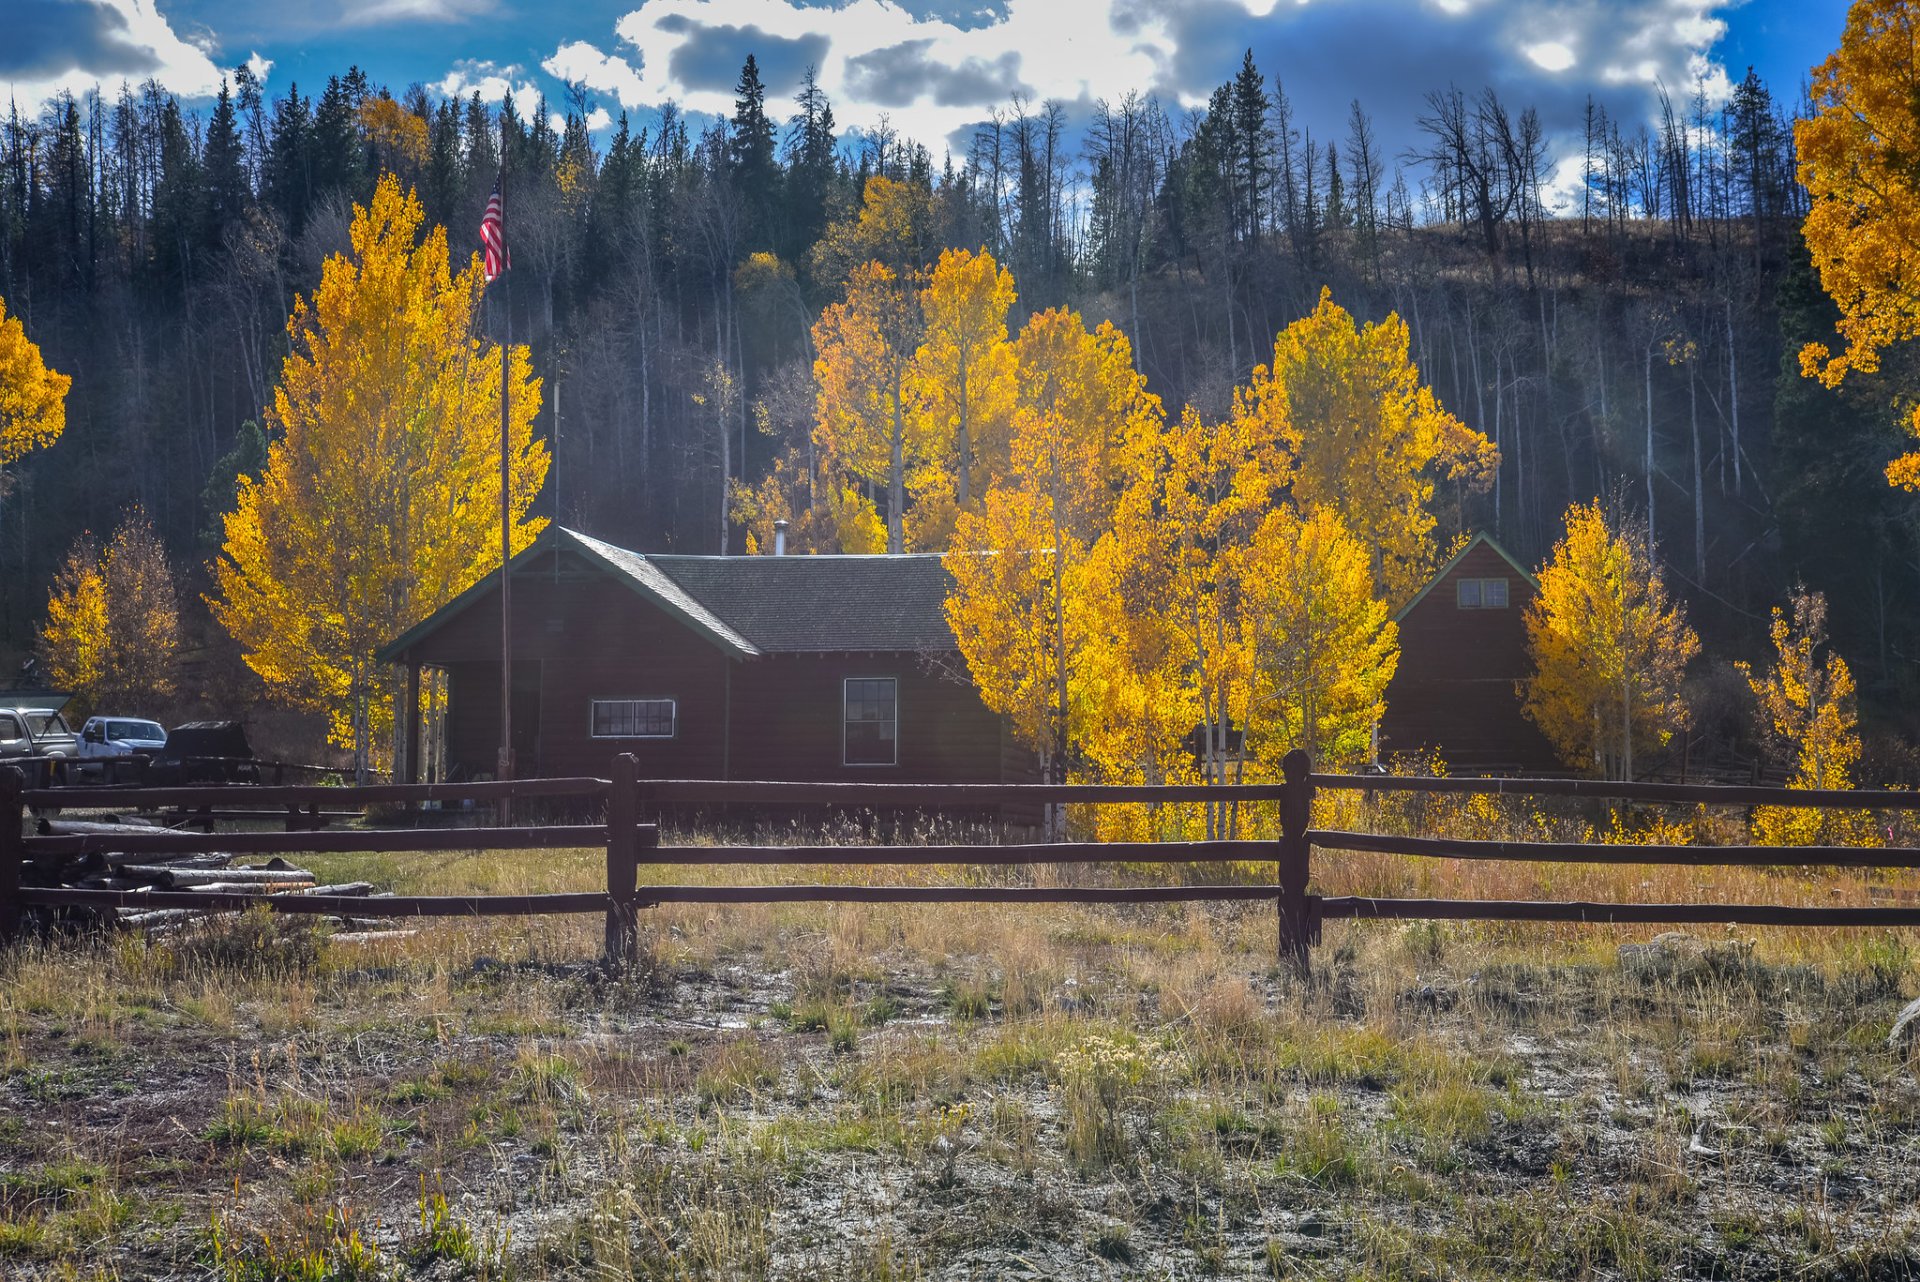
(34,737)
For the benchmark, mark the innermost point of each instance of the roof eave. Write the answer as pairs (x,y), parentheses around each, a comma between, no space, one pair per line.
(1480,537)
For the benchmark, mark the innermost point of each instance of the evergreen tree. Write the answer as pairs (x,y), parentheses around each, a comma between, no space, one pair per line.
(750,158)
(1253,138)
(223,160)
(289,177)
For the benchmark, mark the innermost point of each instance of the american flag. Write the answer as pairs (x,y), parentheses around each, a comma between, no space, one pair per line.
(493,236)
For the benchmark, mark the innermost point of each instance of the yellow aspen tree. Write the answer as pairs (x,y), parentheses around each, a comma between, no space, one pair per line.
(1322,645)
(1020,562)
(33,398)
(864,347)
(380,499)
(1609,648)
(73,639)
(1806,709)
(1365,435)
(894,227)
(962,380)
(1195,497)
(112,632)
(1855,154)
(143,617)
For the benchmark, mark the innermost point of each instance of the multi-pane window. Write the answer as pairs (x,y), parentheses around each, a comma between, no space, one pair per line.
(1481,594)
(633,718)
(872,722)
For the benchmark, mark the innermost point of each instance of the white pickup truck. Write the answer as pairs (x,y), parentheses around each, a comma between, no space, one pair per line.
(104,739)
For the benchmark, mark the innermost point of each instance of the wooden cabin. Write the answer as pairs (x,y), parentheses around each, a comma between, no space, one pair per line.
(1463,652)
(704,667)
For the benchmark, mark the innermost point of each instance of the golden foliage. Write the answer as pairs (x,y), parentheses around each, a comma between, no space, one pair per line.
(33,398)
(962,380)
(397,136)
(1322,645)
(380,499)
(864,347)
(1609,648)
(1364,435)
(894,228)
(1856,157)
(1806,707)
(73,640)
(112,633)
(1021,609)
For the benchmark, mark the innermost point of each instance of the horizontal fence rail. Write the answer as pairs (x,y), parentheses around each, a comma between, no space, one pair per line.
(697,792)
(630,836)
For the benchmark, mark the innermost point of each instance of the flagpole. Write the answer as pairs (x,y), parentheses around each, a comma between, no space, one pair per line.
(505,765)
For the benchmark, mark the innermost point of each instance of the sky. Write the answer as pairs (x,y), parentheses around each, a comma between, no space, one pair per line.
(934,69)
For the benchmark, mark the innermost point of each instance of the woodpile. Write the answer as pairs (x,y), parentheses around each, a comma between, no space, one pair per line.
(204,873)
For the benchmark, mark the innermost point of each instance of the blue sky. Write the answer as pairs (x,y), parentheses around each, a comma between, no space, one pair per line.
(935,68)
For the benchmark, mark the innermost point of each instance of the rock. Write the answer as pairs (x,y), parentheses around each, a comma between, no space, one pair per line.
(1432,997)
(1662,955)
(1906,1029)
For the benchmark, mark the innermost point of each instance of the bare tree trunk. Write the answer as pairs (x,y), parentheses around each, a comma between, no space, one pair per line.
(1699,479)
(1733,398)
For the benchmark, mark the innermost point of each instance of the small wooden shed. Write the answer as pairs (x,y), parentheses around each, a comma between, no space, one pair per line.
(1463,653)
(704,667)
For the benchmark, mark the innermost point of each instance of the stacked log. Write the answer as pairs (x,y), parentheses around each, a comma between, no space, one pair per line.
(208,872)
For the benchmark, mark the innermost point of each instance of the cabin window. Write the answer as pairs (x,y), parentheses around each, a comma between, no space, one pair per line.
(1481,594)
(633,718)
(872,722)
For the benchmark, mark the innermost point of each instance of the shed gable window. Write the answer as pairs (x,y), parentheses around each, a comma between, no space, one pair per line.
(634,718)
(872,722)
(1481,594)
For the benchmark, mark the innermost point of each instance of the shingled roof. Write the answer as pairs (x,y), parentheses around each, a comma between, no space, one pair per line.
(754,605)
(811,604)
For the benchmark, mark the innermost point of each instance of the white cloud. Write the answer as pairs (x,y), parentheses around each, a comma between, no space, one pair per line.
(488,79)
(1550,55)
(597,119)
(934,78)
(259,66)
(126,41)
(367,13)
(581,63)
(1065,49)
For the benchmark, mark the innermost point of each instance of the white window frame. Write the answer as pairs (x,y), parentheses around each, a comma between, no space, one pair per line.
(673,712)
(1480,590)
(845,682)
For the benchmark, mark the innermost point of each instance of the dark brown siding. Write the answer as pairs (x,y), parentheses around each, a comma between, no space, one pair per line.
(788,711)
(586,638)
(582,636)
(1454,690)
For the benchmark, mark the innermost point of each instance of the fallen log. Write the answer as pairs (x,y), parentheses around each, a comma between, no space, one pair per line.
(174,875)
(90,827)
(253,887)
(212,859)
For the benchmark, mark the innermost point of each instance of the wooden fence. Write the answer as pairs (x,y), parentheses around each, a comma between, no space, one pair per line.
(630,837)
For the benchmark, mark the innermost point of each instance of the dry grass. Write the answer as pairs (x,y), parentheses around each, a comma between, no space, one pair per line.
(889,1092)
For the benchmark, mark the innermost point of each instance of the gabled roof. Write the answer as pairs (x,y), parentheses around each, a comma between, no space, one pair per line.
(1477,540)
(631,569)
(814,604)
(755,605)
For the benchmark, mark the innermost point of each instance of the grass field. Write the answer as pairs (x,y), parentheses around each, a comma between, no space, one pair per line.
(862,1093)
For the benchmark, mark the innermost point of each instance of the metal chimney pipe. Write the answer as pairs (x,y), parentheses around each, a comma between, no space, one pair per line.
(780,538)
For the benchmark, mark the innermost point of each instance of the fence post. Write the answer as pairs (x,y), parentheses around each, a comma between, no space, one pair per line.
(11,910)
(1296,814)
(623,859)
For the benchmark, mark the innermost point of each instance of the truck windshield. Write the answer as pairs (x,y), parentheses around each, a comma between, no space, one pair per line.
(149,730)
(44,723)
